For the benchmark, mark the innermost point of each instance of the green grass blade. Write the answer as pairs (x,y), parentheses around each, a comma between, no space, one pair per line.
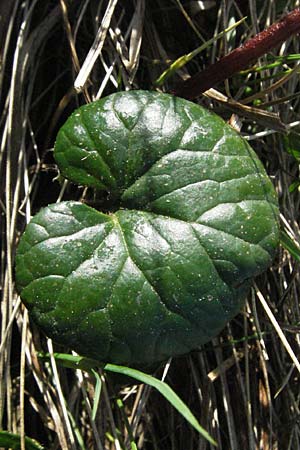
(127,424)
(294,186)
(13,441)
(77,432)
(72,361)
(278,61)
(164,390)
(291,246)
(98,389)
(78,362)
(183,60)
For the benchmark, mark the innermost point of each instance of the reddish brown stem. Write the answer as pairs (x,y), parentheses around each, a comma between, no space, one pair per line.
(241,57)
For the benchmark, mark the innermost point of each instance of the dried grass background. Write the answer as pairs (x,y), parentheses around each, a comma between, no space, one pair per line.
(244,386)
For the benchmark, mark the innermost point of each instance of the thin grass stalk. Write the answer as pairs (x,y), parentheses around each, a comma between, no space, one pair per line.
(96,47)
(108,404)
(10,207)
(278,329)
(242,386)
(81,378)
(226,402)
(62,401)
(252,444)
(22,381)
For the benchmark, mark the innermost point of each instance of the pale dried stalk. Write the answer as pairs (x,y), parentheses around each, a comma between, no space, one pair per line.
(61,398)
(96,48)
(12,192)
(13,145)
(136,40)
(226,401)
(277,328)
(22,380)
(75,59)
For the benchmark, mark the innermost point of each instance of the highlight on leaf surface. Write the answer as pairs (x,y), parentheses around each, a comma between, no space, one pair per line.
(192,218)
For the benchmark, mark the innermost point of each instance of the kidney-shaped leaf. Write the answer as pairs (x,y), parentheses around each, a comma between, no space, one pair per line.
(193,219)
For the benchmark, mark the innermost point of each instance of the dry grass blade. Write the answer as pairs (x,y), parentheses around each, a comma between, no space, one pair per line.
(278,329)
(265,118)
(274,86)
(96,47)
(62,401)
(70,36)
(136,40)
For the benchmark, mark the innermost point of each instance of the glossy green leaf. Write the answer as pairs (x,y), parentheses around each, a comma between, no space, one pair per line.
(193,218)
(13,441)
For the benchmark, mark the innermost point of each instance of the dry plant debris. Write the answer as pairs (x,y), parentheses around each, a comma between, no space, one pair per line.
(244,386)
